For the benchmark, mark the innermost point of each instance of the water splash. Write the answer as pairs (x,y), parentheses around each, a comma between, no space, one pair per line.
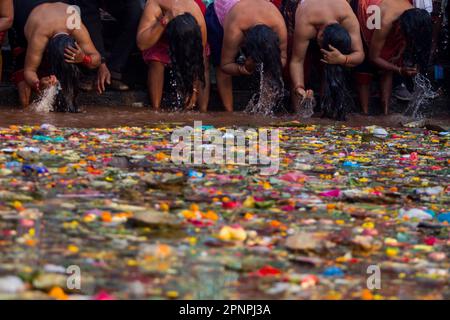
(176,101)
(306,107)
(268,97)
(46,101)
(422,94)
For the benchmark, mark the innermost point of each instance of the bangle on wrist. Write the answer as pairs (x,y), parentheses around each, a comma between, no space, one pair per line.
(346,61)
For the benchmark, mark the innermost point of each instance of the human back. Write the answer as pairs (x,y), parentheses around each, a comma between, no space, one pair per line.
(48,19)
(321,12)
(248,13)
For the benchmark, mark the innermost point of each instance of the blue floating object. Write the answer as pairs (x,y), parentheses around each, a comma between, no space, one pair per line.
(29,169)
(430,212)
(59,139)
(445,217)
(333,272)
(195,174)
(48,139)
(207,127)
(42,138)
(13,164)
(351,164)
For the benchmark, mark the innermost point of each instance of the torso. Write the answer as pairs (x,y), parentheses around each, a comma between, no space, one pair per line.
(33,16)
(320,13)
(178,7)
(223,7)
(249,13)
(390,12)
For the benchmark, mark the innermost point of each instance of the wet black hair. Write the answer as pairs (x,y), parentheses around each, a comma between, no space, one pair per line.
(67,74)
(417,28)
(262,44)
(186,53)
(336,100)
(288,10)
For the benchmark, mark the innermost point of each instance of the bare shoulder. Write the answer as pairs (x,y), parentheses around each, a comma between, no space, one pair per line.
(151,6)
(392,9)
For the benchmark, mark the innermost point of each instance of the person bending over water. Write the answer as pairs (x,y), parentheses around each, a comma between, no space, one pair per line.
(402,45)
(173,32)
(47,51)
(336,28)
(255,26)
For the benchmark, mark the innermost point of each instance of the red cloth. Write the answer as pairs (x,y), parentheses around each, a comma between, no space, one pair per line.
(160,51)
(395,41)
(277,3)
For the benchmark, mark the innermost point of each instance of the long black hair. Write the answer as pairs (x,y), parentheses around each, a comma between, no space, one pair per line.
(186,53)
(262,44)
(336,100)
(417,28)
(67,74)
(288,10)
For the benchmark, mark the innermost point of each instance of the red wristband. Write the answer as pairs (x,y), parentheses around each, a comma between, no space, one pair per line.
(87,60)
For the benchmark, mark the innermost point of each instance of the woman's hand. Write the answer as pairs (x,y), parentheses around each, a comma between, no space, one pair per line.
(248,68)
(333,56)
(408,71)
(250,65)
(304,94)
(103,78)
(190,105)
(74,55)
(45,83)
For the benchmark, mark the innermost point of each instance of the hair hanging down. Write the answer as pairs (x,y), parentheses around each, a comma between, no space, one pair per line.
(186,53)
(336,100)
(67,74)
(417,28)
(288,10)
(262,44)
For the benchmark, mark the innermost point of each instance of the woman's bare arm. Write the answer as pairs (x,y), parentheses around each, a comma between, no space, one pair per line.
(35,51)
(304,32)
(150,29)
(6,14)
(232,41)
(83,38)
(351,24)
